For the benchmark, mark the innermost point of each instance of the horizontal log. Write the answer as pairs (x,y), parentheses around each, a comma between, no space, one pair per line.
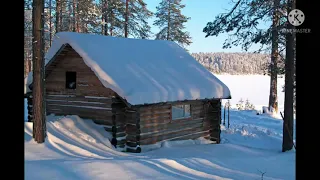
(154,118)
(132,117)
(168,126)
(216,118)
(85,109)
(79,103)
(197,114)
(132,144)
(143,109)
(155,112)
(205,134)
(121,142)
(92,114)
(155,139)
(159,120)
(116,129)
(119,106)
(133,138)
(132,129)
(171,130)
(65,97)
(195,108)
(134,150)
(119,134)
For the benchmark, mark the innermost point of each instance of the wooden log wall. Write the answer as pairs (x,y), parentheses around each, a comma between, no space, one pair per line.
(133,130)
(213,119)
(87,83)
(156,124)
(90,100)
(29,107)
(118,124)
(96,108)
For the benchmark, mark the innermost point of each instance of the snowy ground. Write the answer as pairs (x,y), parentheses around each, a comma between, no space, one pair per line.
(79,149)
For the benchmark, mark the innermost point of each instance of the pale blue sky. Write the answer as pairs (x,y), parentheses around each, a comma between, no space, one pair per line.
(201,12)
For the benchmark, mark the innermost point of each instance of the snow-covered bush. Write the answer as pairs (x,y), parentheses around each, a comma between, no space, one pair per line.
(240,105)
(249,106)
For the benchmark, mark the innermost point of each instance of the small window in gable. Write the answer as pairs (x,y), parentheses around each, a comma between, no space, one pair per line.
(181,111)
(71,79)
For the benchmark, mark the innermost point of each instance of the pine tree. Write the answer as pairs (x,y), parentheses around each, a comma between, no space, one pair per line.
(138,14)
(113,14)
(39,123)
(242,21)
(287,142)
(171,22)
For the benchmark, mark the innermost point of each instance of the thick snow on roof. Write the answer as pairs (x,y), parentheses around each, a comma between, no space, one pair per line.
(143,71)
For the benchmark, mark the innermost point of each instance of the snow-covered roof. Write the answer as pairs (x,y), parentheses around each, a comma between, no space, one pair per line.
(143,71)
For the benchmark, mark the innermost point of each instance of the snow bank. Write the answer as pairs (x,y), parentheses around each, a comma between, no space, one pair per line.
(143,71)
(79,149)
(73,137)
(170,144)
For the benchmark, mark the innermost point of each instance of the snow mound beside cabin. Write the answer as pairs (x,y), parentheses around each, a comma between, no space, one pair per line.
(73,137)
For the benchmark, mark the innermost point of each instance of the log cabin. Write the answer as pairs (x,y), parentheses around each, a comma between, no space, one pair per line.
(142,91)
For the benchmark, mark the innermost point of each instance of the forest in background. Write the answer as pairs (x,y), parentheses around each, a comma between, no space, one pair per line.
(238,63)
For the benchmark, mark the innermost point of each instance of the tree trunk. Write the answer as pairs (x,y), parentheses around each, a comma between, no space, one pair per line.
(106,17)
(287,142)
(273,96)
(111,23)
(50,22)
(126,19)
(58,10)
(78,19)
(74,15)
(168,32)
(70,19)
(38,72)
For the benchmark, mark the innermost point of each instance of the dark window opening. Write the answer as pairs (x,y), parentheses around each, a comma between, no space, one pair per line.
(71,79)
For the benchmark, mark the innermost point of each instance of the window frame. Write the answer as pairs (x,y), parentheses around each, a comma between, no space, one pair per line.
(184,111)
(73,74)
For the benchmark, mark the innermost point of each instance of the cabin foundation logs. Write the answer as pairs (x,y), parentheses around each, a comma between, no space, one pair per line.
(133,131)
(118,125)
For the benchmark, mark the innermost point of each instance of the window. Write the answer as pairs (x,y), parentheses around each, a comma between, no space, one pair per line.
(181,111)
(71,79)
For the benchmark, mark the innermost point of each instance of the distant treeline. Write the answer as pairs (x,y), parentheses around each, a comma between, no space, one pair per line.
(234,63)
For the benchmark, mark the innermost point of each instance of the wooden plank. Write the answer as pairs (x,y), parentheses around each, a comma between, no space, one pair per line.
(155,116)
(155,112)
(196,135)
(169,130)
(80,111)
(157,120)
(79,103)
(144,109)
(155,139)
(195,108)
(91,107)
(168,126)
(61,97)
(132,117)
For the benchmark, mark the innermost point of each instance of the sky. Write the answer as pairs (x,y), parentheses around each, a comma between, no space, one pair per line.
(201,12)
